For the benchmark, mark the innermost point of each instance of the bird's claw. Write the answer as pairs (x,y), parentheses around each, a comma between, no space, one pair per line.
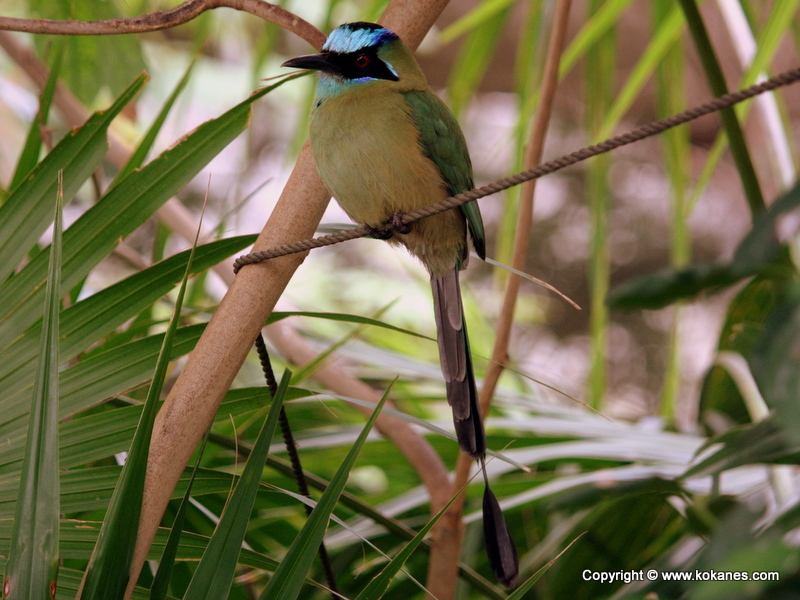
(394,224)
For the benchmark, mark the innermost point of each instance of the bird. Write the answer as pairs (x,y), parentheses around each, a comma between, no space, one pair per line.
(385,144)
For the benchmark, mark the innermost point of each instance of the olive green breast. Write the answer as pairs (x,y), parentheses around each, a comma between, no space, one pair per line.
(368,153)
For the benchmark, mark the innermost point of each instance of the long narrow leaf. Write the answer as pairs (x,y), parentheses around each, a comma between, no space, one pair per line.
(716,81)
(109,569)
(124,208)
(88,383)
(29,156)
(78,538)
(86,322)
(33,562)
(380,583)
(290,575)
(216,570)
(519,593)
(278,316)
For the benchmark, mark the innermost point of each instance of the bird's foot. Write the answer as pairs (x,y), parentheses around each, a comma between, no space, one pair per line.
(394,224)
(396,221)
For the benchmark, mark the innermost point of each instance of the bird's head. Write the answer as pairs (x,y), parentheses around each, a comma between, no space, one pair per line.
(356,54)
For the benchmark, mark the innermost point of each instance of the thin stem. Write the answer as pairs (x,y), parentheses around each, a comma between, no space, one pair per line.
(499,357)
(716,81)
(294,457)
(165,19)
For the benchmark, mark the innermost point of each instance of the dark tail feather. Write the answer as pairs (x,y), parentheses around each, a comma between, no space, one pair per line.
(500,548)
(456,361)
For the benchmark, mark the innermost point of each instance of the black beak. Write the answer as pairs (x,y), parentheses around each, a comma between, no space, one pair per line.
(316,62)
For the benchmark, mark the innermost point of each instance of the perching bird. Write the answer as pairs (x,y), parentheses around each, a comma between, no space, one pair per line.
(384,144)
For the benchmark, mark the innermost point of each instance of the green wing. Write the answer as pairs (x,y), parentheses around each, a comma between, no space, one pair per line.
(444,143)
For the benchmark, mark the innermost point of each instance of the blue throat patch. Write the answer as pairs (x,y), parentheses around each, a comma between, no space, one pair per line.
(329,86)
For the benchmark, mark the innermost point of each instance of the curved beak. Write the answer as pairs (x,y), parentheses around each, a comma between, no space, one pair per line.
(315,62)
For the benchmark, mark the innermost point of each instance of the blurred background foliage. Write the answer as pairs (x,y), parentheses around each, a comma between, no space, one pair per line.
(660,421)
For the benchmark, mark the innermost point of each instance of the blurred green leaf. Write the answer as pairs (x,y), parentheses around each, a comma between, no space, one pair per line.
(761,442)
(776,363)
(744,324)
(758,252)
(716,81)
(474,19)
(600,75)
(665,36)
(767,45)
(93,62)
(473,59)
(649,523)
(664,287)
(735,548)
(606,17)
(519,592)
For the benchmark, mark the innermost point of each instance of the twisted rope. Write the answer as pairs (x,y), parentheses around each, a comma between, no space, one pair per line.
(651,129)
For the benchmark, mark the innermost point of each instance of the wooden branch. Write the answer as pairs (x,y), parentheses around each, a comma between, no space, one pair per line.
(221,350)
(165,19)
(414,447)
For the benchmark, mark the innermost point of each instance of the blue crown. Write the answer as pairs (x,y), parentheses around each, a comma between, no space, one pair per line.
(352,37)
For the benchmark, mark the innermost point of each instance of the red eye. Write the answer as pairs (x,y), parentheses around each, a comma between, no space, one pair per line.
(362,61)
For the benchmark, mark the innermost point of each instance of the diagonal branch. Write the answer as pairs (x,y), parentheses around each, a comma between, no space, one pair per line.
(220,352)
(414,447)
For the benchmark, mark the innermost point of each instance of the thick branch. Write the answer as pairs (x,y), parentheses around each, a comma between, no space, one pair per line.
(416,449)
(165,19)
(220,352)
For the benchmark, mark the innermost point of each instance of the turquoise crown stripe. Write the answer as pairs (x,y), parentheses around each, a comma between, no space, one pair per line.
(345,38)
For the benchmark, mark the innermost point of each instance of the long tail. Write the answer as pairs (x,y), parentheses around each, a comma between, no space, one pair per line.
(454,355)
